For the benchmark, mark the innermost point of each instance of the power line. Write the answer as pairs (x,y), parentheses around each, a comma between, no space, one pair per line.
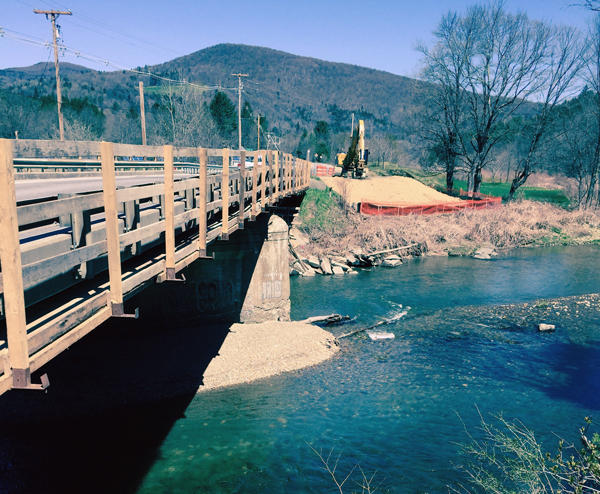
(103,25)
(8,33)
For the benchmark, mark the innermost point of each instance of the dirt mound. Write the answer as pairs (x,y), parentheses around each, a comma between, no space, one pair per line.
(401,191)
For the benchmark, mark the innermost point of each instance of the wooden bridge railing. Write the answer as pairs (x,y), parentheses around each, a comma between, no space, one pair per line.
(134,219)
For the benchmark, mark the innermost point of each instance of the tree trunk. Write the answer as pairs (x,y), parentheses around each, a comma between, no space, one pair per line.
(477,180)
(470,181)
(450,176)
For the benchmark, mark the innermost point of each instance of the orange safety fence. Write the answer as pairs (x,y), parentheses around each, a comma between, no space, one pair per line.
(322,170)
(475,201)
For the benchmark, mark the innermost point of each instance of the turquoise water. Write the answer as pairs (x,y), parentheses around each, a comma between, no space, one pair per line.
(398,408)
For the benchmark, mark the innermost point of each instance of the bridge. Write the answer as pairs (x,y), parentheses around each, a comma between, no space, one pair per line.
(98,224)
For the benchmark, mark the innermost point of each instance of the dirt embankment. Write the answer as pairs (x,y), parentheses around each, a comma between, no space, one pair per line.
(517,224)
(400,191)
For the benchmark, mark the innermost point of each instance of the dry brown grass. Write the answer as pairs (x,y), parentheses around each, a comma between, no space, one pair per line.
(518,224)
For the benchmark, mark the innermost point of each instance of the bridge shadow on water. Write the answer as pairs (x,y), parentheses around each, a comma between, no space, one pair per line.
(115,395)
(113,399)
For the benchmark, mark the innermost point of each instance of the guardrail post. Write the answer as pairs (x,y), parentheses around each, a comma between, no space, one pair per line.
(254,186)
(12,274)
(169,215)
(225,196)
(202,203)
(111,219)
(242,214)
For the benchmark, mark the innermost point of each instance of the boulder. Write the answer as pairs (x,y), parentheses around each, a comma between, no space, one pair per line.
(337,270)
(309,272)
(326,266)
(339,265)
(484,253)
(391,263)
(313,262)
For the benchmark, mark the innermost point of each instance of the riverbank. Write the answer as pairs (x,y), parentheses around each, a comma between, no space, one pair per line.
(333,229)
(255,351)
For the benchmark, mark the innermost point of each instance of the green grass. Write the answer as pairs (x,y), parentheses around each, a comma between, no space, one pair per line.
(322,210)
(553,196)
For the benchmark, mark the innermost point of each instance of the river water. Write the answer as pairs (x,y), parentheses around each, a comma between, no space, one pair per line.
(399,408)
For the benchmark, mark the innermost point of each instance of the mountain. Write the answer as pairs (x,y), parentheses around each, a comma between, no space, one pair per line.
(300,90)
(293,92)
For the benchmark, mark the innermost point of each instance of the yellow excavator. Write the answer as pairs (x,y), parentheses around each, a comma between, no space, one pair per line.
(356,159)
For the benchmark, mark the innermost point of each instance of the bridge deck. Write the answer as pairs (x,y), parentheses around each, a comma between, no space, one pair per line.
(57,234)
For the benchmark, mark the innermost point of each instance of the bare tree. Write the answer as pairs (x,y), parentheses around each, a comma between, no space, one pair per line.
(491,63)
(593,5)
(577,144)
(566,52)
(183,120)
(443,115)
(382,148)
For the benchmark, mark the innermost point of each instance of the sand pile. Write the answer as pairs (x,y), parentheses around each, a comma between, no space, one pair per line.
(401,191)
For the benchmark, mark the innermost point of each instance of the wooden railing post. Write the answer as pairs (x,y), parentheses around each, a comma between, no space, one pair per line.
(254,186)
(111,221)
(12,274)
(202,156)
(276,175)
(289,176)
(294,174)
(225,196)
(169,215)
(263,180)
(242,214)
(271,168)
(281,173)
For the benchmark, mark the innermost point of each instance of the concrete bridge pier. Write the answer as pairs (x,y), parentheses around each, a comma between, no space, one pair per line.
(243,279)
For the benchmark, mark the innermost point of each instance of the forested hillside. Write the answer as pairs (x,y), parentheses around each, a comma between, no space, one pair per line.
(291,93)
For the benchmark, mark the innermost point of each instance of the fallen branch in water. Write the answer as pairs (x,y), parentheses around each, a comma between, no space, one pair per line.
(333,318)
(370,254)
(363,329)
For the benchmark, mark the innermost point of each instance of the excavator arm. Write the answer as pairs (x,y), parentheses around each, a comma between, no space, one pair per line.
(356,159)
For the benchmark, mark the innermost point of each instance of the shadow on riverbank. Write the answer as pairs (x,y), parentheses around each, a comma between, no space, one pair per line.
(113,399)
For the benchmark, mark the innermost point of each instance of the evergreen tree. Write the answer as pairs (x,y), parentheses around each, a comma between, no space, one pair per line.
(322,141)
(248,127)
(224,114)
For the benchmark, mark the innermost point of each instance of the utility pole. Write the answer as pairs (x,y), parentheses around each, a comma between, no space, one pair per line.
(142,113)
(53,16)
(239,76)
(258,134)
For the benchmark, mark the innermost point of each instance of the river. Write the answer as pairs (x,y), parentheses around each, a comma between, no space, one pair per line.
(399,408)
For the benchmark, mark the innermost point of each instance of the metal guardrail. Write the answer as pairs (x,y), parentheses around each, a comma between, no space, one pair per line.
(211,205)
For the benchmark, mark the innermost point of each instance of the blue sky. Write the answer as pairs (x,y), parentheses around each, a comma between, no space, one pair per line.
(371,33)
